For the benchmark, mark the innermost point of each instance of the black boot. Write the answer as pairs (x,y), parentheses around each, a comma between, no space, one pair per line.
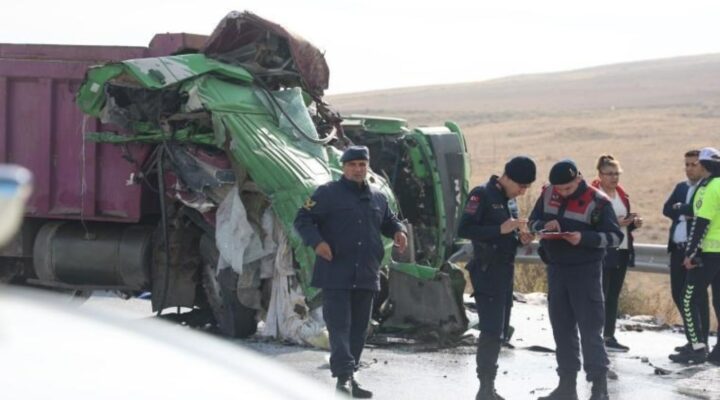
(344,384)
(599,389)
(691,357)
(358,392)
(684,348)
(487,386)
(566,389)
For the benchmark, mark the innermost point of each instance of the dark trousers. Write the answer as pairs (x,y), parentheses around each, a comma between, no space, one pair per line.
(678,274)
(492,289)
(575,302)
(614,270)
(697,281)
(508,311)
(347,316)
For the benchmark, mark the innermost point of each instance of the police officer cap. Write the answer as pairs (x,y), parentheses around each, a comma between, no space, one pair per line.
(710,160)
(353,153)
(521,170)
(709,154)
(563,172)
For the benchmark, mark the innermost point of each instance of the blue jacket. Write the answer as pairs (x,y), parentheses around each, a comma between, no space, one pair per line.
(486,209)
(678,195)
(350,218)
(587,211)
(491,268)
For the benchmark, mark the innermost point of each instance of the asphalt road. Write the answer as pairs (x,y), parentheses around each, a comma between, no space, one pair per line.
(407,371)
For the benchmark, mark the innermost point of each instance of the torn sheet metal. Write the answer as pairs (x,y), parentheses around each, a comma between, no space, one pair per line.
(150,73)
(246,39)
(195,173)
(292,115)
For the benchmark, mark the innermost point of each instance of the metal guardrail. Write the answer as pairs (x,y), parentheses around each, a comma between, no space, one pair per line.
(648,257)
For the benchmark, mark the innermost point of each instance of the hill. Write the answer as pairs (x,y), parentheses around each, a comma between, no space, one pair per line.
(657,83)
(645,113)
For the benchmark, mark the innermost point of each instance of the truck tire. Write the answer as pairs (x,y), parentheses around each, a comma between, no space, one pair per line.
(233,319)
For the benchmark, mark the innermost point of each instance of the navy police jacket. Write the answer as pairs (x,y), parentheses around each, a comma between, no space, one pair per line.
(587,211)
(486,209)
(350,218)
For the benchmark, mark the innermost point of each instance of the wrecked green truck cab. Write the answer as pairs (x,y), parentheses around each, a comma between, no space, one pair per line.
(240,129)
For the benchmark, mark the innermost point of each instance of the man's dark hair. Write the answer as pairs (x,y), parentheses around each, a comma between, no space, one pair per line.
(692,153)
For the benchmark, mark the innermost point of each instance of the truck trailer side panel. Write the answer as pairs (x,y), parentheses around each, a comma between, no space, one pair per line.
(41,128)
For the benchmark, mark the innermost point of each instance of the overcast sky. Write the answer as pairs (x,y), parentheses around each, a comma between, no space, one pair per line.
(395,43)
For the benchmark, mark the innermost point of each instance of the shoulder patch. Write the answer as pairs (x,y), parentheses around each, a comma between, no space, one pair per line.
(309,204)
(472,203)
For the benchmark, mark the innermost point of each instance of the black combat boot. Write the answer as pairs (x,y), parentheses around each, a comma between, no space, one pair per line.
(684,348)
(691,357)
(599,389)
(344,384)
(358,392)
(566,389)
(487,386)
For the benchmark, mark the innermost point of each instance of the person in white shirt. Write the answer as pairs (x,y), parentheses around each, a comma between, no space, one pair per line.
(616,260)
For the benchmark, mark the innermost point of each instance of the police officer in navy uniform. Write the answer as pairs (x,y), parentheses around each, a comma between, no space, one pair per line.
(490,221)
(343,221)
(585,225)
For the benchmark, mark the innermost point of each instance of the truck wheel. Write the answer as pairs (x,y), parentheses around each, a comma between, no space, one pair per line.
(232,317)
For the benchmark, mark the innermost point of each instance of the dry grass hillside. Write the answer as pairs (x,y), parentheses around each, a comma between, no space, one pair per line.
(647,114)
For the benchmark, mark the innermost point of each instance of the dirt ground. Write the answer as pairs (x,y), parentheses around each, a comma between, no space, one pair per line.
(649,143)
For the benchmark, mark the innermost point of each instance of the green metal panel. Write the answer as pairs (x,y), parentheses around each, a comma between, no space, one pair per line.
(466,163)
(160,72)
(285,166)
(420,170)
(152,73)
(381,125)
(91,95)
(429,168)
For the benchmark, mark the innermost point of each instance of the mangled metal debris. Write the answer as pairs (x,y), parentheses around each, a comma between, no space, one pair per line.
(241,138)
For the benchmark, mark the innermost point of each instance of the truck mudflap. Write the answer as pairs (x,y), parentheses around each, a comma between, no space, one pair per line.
(426,302)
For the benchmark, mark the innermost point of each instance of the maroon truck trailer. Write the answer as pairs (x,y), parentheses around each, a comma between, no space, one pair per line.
(82,202)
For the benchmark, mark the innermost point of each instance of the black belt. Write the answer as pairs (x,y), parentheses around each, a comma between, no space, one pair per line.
(680,246)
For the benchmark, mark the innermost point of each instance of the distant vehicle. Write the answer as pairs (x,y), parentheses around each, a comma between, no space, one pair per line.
(177,169)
